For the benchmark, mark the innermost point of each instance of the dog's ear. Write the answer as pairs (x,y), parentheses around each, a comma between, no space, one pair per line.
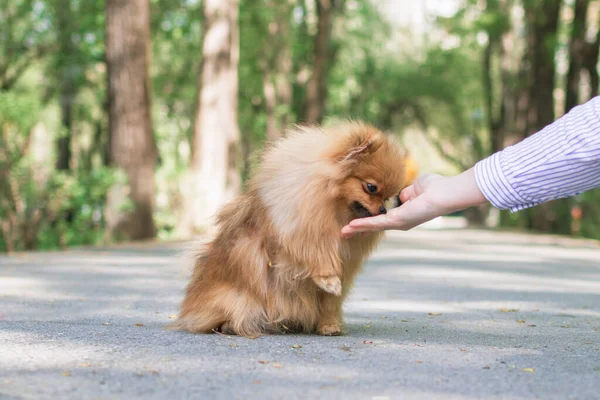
(361,145)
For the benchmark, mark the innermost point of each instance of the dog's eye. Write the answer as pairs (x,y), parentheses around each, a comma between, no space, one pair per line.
(371,188)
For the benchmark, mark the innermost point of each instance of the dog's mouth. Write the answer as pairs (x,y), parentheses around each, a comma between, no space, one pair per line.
(360,210)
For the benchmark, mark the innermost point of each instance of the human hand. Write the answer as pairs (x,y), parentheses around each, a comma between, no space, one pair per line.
(429,197)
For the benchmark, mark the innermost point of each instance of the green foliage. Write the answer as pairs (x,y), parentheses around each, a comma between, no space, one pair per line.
(440,92)
(589,204)
(75,207)
(40,207)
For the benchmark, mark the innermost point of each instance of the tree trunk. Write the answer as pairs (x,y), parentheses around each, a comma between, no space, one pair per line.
(542,23)
(66,68)
(489,93)
(496,109)
(277,69)
(316,87)
(576,54)
(216,152)
(132,146)
(592,55)
(501,111)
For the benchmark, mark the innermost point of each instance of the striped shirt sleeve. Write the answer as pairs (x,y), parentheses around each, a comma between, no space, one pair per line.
(561,160)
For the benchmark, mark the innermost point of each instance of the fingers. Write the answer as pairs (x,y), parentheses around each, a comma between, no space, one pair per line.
(408,193)
(371,224)
(414,190)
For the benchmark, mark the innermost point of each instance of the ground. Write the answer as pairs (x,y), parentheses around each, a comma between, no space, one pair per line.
(436,314)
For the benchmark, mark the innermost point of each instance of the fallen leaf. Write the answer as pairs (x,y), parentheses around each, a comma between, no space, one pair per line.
(138,324)
(263,362)
(66,373)
(565,326)
(435,314)
(383,317)
(256,382)
(297,346)
(153,372)
(172,316)
(520,321)
(419,362)
(530,370)
(486,367)
(532,325)
(276,365)
(367,342)
(367,326)
(85,365)
(403,320)
(105,323)
(345,348)
(508,309)
(463,350)
(233,345)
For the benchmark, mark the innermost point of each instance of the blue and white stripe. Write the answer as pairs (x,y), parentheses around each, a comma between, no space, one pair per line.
(561,160)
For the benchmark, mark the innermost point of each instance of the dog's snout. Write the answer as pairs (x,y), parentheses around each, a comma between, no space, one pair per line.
(382,210)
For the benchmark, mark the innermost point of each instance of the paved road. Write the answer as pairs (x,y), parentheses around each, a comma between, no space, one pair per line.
(436,315)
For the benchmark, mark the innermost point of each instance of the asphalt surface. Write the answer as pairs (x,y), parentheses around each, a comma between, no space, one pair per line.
(452,314)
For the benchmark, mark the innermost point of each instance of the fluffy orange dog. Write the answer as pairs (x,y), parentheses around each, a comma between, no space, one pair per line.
(278,262)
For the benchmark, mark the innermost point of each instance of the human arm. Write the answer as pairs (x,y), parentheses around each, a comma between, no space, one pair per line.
(561,160)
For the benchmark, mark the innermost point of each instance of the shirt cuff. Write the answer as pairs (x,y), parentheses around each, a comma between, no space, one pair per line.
(496,187)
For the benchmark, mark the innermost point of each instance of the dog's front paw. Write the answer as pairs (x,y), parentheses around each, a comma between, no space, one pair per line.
(330,284)
(329,330)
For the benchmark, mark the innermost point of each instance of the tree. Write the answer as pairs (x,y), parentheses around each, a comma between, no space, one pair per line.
(590,61)
(495,21)
(576,53)
(542,23)
(276,66)
(132,146)
(316,87)
(67,69)
(215,145)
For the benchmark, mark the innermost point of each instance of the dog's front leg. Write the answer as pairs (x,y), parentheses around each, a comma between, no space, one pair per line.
(330,315)
(326,269)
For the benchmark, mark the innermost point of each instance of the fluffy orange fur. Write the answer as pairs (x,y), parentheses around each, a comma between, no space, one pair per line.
(278,261)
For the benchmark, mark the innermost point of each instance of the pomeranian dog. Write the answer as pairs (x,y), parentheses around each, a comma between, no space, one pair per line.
(278,262)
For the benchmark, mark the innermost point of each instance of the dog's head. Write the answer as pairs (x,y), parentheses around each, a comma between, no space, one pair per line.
(370,169)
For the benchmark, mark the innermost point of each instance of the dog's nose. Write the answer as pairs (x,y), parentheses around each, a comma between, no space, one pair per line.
(382,210)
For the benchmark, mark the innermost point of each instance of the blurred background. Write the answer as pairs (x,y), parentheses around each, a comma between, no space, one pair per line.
(137,119)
